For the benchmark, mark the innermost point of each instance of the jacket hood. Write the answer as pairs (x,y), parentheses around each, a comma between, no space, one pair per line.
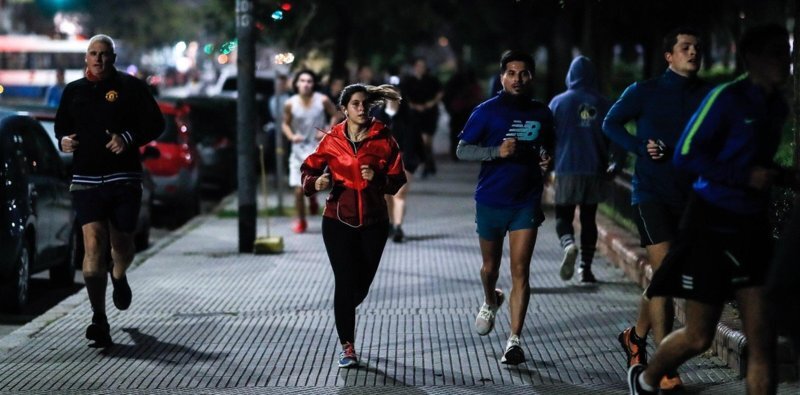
(581,74)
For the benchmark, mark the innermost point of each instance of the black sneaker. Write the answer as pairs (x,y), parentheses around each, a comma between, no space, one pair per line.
(99,332)
(633,381)
(398,236)
(122,294)
(513,354)
(586,275)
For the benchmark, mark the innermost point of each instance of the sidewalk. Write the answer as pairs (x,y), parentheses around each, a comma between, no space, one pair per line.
(206,319)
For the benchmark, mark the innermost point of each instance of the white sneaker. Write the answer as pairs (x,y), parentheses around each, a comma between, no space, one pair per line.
(568,263)
(513,354)
(484,322)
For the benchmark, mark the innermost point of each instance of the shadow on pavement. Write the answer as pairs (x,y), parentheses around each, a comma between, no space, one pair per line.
(569,289)
(148,347)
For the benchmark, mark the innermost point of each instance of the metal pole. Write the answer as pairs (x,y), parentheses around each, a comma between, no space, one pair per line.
(245,125)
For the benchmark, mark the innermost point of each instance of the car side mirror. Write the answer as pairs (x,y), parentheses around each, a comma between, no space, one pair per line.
(150,152)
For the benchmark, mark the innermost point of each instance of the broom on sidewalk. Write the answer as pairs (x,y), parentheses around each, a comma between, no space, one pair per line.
(267,244)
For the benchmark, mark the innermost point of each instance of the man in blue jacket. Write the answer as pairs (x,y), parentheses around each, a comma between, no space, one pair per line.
(512,135)
(581,160)
(724,245)
(661,107)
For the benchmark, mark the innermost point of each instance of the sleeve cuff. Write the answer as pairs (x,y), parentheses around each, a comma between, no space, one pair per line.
(127,137)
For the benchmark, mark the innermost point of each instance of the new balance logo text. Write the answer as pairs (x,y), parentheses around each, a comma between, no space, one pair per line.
(527,131)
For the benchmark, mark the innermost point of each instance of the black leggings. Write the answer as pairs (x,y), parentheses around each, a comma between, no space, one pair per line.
(564,216)
(354,255)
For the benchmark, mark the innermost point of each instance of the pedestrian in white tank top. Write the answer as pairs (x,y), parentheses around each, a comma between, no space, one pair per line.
(305,115)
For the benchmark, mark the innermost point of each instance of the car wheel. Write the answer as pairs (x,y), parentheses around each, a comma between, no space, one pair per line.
(64,274)
(20,280)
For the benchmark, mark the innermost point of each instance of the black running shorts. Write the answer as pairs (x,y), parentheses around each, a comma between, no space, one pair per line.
(117,203)
(716,253)
(657,222)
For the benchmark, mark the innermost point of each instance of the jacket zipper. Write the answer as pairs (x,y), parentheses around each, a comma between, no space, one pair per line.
(358,191)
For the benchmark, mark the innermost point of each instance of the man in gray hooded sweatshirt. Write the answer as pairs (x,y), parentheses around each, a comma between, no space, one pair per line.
(581,163)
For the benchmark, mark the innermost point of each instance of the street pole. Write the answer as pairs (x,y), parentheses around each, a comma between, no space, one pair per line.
(279,155)
(245,125)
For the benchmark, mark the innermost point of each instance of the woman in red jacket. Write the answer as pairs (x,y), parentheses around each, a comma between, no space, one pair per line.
(361,161)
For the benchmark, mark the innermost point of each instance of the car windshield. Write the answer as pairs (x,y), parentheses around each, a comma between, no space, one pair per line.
(212,119)
(170,134)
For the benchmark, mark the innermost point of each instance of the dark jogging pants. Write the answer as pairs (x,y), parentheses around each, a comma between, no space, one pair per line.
(354,254)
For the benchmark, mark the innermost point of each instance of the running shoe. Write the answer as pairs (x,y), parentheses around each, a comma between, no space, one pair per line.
(586,275)
(568,262)
(99,332)
(484,322)
(635,348)
(513,354)
(122,294)
(348,358)
(670,382)
(300,226)
(398,236)
(633,381)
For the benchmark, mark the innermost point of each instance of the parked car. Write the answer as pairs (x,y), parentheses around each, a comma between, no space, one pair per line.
(227,84)
(175,172)
(213,132)
(38,222)
(46,117)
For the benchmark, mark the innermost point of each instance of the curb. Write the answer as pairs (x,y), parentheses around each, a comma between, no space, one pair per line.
(22,334)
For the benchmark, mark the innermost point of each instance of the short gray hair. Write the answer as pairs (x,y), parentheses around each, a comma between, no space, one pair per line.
(103,39)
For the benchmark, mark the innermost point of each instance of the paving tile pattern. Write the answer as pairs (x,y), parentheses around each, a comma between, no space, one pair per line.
(208,320)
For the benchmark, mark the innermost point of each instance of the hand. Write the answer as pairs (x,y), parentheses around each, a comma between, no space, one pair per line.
(69,143)
(367,173)
(656,150)
(117,143)
(298,138)
(322,182)
(508,147)
(544,161)
(762,178)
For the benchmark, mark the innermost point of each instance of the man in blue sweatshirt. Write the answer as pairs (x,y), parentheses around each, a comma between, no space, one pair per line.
(512,135)
(661,107)
(724,245)
(581,161)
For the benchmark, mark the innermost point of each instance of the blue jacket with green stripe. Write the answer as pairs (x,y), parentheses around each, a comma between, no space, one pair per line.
(736,128)
(660,107)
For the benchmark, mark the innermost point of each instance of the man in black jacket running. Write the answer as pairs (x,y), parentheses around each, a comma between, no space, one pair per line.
(103,119)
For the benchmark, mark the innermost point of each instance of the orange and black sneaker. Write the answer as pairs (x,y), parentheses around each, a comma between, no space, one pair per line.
(670,382)
(635,347)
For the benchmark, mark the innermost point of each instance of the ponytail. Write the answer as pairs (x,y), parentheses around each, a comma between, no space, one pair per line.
(376,95)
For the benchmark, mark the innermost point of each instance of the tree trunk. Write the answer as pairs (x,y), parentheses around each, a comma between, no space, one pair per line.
(341,45)
(796,98)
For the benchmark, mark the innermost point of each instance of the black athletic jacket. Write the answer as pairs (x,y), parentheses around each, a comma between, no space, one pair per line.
(93,110)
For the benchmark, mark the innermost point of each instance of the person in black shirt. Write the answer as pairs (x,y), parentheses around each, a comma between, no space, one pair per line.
(103,119)
(423,92)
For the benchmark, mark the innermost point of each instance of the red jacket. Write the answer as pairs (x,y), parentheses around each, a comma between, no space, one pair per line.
(354,200)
